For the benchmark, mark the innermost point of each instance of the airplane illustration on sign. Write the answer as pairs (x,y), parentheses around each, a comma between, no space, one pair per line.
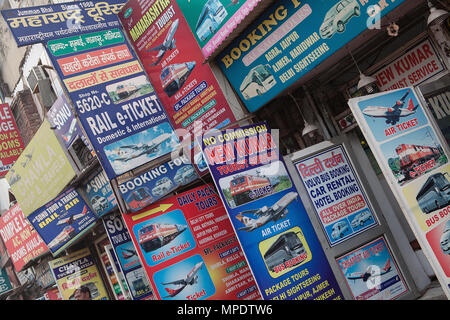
(190,279)
(371,271)
(392,114)
(168,43)
(135,150)
(276,212)
(73,217)
(128,254)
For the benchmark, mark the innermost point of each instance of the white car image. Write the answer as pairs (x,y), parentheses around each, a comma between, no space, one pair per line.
(162,187)
(338,16)
(445,239)
(99,203)
(339,229)
(361,218)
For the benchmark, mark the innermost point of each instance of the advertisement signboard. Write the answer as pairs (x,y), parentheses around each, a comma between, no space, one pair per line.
(414,160)
(21,240)
(212,21)
(63,220)
(76,270)
(100,195)
(63,120)
(11,144)
(336,193)
(371,272)
(189,249)
(116,104)
(289,40)
(5,284)
(175,65)
(41,172)
(43,23)
(157,182)
(128,259)
(268,216)
(414,67)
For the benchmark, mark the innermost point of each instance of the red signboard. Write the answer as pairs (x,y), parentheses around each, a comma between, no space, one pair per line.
(189,248)
(11,144)
(175,65)
(21,240)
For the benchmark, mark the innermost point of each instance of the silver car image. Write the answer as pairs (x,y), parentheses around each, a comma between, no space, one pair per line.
(338,16)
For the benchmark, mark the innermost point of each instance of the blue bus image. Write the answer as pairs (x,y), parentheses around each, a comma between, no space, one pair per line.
(211,17)
(434,194)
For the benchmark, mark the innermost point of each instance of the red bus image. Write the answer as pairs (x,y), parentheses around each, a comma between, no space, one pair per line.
(154,236)
(413,155)
(139,199)
(175,75)
(246,188)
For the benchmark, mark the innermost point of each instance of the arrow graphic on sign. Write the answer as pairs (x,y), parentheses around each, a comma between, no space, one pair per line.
(161,208)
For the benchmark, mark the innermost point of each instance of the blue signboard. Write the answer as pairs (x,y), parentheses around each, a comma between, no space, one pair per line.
(63,220)
(128,258)
(115,102)
(268,216)
(63,121)
(290,39)
(5,284)
(100,195)
(157,182)
(42,23)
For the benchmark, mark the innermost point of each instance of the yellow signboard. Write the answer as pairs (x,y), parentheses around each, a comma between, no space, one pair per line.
(78,271)
(41,172)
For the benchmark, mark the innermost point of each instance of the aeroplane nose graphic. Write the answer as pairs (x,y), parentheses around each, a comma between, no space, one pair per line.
(190,65)
(181,227)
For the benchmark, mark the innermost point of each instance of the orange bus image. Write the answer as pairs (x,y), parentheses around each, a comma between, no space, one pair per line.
(154,236)
(174,76)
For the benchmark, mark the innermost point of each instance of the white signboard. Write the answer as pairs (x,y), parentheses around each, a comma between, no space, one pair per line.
(411,69)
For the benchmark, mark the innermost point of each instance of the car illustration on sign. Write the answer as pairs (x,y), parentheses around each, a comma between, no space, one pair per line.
(99,203)
(184,175)
(445,239)
(339,229)
(338,16)
(163,186)
(361,218)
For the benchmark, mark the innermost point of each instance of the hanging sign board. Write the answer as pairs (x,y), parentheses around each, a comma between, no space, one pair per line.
(63,220)
(290,39)
(21,240)
(371,272)
(414,160)
(336,193)
(76,270)
(41,172)
(189,249)
(116,104)
(43,23)
(270,220)
(11,144)
(128,258)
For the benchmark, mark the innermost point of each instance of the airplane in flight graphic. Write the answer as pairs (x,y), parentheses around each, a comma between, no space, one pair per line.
(129,152)
(394,113)
(168,43)
(128,254)
(73,217)
(190,279)
(265,215)
(371,271)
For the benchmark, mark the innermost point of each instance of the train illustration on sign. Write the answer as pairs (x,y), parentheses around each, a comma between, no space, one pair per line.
(413,155)
(243,187)
(154,236)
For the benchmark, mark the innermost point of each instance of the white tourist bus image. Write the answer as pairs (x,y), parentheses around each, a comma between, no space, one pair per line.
(258,81)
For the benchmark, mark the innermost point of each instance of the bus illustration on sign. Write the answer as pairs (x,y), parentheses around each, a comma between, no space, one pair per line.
(175,75)
(154,236)
(210,18)
(139,199)
(258,81)
(338,16)
(434,194)
(286,252)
